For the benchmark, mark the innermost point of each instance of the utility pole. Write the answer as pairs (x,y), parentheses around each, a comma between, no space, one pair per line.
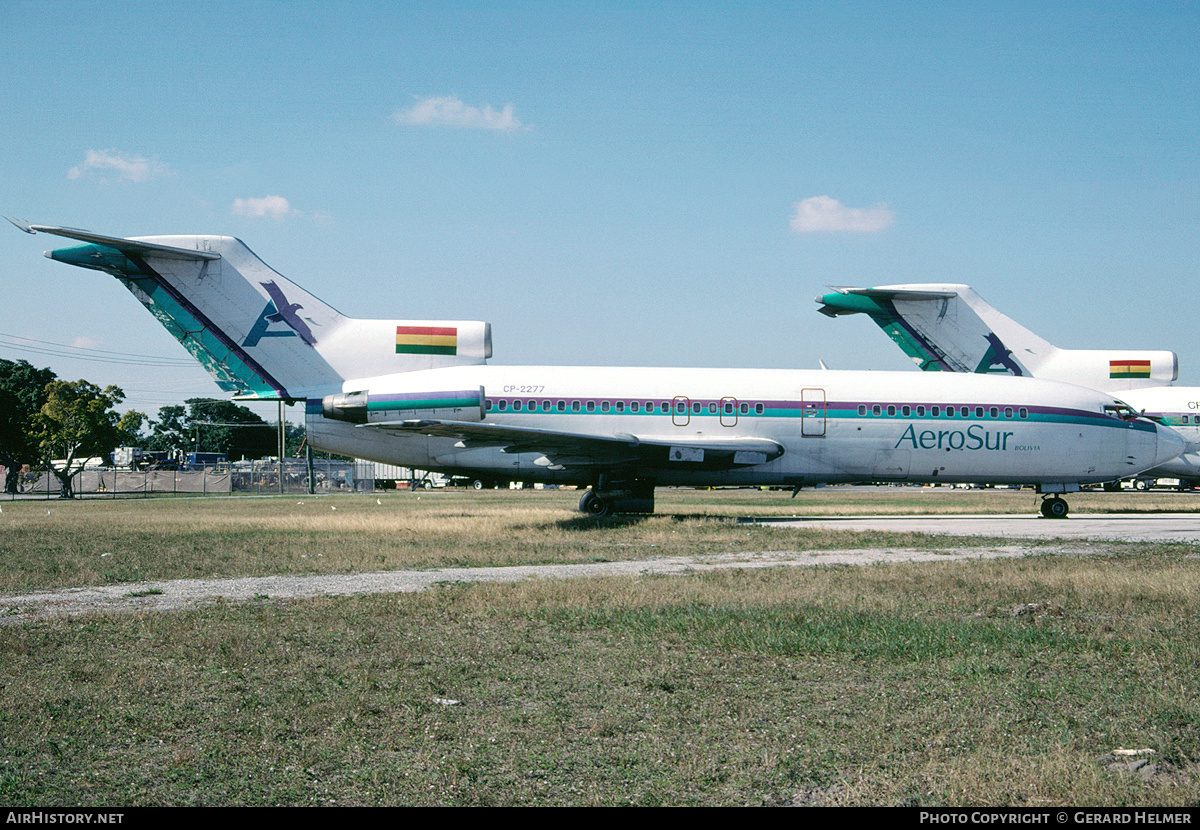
(282,445)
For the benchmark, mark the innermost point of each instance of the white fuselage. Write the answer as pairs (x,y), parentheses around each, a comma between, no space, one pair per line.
(834,426)
(435,405)
(1179,408)
(950,328)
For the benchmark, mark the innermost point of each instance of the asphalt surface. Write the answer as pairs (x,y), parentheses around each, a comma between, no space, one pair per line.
(1141,527)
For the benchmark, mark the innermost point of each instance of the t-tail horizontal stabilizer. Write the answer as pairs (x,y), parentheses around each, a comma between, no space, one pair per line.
(257,333)
(948,327)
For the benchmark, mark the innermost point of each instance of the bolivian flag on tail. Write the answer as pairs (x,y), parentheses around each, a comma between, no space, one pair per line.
(427,340)
(1129,369)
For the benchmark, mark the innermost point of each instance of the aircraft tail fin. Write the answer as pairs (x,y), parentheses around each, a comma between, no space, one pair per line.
(950,328)
(257,333)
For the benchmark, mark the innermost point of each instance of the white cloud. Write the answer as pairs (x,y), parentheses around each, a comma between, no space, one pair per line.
(823,214)
(133,168)
(273,207)
(451,112)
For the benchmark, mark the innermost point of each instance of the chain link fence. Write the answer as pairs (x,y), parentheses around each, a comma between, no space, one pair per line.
(264,477)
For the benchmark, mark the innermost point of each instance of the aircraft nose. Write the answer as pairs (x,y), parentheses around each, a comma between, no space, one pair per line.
(1170,444)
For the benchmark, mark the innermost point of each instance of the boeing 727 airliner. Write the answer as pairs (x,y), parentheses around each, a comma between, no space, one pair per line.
(950,328)
(419,393)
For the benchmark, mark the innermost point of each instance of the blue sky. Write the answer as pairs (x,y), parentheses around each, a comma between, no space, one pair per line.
(609,183)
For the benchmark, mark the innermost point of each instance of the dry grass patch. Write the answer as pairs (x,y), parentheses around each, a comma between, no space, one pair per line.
(90,542)
(904,684)
(996,682)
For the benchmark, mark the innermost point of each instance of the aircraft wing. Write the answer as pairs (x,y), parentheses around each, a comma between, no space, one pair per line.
(125,246)
(570,449)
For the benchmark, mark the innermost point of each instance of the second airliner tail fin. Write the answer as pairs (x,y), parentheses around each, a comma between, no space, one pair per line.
(950,328)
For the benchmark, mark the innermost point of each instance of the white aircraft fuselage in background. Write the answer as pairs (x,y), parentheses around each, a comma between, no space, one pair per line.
(948,327)
(418,393)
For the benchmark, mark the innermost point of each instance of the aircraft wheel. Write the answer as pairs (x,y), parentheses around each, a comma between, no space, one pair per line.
(593,505)
(477,484)
(1055,508)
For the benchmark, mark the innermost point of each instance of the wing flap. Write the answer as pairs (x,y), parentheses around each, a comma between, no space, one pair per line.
(572,449)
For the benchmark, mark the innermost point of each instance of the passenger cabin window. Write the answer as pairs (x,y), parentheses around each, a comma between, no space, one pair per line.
(759,409)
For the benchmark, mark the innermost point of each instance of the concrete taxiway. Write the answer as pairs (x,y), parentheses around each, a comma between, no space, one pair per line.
(1124,527)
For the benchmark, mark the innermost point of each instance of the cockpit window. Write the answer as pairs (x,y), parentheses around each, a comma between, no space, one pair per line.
(1121,410)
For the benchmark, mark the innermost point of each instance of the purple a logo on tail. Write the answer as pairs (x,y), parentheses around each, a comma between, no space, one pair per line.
(279,310)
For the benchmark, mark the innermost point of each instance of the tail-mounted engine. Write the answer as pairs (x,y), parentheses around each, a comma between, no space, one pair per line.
(367,407)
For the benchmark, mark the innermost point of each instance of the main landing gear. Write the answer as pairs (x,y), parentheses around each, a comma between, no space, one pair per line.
(1054,506)
(613,496)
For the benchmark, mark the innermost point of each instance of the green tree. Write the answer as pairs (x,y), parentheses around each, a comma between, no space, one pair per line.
(129,429)
(295,437)
(211,425)
(171,432)
(22,393)
(227,427)
(76,422)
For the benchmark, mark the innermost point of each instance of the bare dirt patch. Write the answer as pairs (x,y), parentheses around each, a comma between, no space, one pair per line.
(169,595)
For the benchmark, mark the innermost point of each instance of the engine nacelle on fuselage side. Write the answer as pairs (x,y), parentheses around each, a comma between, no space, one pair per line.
(369,407)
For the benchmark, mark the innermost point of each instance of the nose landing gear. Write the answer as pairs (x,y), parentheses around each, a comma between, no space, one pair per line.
(1054,506)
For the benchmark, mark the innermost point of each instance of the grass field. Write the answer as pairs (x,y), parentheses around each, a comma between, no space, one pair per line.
(1003,682)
